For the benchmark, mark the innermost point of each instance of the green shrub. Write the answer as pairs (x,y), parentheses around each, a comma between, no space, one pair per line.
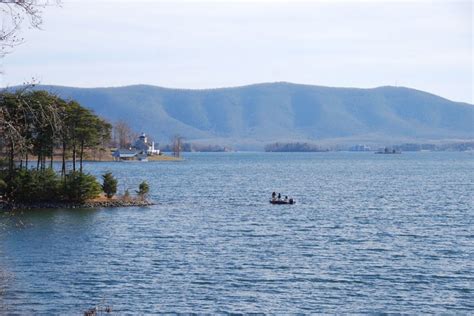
(34,186)
(30,186)
(20,185)
(48,184)
(109,185)
(143,189)
(79,187)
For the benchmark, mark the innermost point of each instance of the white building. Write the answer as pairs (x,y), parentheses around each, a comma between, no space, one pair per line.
(142,144)
(140,150)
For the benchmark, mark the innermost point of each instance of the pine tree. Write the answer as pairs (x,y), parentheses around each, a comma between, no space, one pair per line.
(109,185)
(143,189)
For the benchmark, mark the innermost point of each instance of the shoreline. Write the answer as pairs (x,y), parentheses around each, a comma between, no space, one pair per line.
(4,206)
(57,159)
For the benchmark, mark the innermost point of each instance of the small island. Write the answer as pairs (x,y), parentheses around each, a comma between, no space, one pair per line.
(294,147)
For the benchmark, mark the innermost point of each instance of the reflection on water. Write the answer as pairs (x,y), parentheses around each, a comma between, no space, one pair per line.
(369,233)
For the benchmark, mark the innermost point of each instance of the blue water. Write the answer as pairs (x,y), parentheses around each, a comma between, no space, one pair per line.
(369,233)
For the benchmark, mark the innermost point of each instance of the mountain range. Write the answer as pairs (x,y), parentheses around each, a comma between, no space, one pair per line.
(251,116)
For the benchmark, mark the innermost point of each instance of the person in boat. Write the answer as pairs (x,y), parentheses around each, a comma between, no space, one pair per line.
(273,196)
(286,198)
(291,201)
(279,196)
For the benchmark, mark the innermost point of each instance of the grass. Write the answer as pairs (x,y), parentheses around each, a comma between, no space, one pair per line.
(163,158)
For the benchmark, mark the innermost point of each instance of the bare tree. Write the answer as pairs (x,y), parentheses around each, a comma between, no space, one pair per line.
(29,123)
(15,14)
(177,142)
(123,134)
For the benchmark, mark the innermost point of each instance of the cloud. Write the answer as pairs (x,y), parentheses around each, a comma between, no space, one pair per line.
(194,44)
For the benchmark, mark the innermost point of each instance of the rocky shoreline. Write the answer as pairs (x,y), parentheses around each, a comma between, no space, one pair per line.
(61,205)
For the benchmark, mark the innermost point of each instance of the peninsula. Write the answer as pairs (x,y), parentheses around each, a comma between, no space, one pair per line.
(39,124)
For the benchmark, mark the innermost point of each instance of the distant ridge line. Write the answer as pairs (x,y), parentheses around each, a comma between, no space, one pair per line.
(251,116)
(250,85)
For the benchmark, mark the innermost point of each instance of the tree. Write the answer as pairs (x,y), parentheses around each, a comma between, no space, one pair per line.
(123,135)
(36,123)
(84,130)
(143,189)
(13,14)
(13,122)
(34,186)
(44,126)
(177,145)
(79,187)
(92,132)
(29,124)
(109,185)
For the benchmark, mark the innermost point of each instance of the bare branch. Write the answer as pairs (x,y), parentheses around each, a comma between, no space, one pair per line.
(16,13)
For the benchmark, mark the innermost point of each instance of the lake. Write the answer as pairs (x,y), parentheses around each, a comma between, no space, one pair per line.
(369,233)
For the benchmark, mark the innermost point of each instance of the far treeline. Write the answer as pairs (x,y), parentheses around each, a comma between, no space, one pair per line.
(34,125)
(293,147)
(309,147)
(192,147)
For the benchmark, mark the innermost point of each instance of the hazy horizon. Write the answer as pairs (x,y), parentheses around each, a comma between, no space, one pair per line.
(422,45)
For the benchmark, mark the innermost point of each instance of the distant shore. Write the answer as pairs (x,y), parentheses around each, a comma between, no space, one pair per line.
(110,159)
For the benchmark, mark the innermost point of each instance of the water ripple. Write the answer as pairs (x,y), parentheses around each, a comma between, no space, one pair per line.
(369,234)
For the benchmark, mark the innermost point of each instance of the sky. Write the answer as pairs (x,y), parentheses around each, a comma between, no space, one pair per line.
(426,45)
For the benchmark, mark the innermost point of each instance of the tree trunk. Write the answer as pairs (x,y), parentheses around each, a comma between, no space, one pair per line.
(63,167)
(38,161)
(52,158)
(74,157)
(81,155)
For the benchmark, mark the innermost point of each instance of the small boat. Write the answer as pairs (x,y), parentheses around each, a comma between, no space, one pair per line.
(290,201)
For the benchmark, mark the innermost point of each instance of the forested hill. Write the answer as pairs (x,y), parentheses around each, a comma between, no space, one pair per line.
(258,114)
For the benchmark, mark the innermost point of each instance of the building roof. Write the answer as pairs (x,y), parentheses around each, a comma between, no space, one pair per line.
(125,153)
